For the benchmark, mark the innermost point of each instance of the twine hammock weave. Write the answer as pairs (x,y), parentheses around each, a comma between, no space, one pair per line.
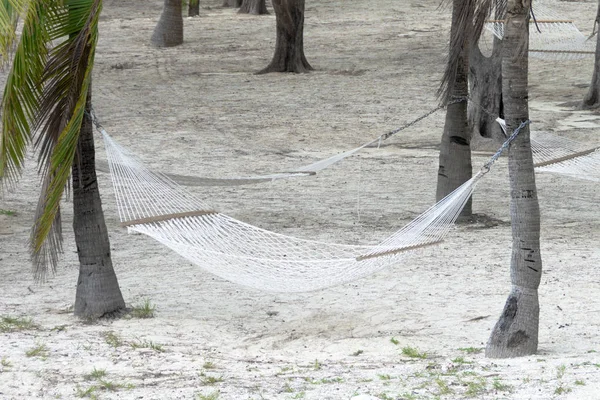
(557,38)
(153,204)
(563,156)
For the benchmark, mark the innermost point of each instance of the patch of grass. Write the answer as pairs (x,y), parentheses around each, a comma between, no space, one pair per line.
(500,386)
(209,365)
(413,352)
(357,353)
(461,360)
(561,389)
(317,365)
(14,324)
(147,344)
(385,377)
(287,388)
(580,382)
(89,392)
(211,380)
(471,350)
(145,310)
(95,374)
(299,395)
(395,341)
(560,371)
(110,386)
(112,339)
(39,350)
(443,387)
(10,213)
(475,388)
(212,396)
(5,364)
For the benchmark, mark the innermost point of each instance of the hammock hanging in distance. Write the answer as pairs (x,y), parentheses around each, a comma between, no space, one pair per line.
(557,38)
(563,156)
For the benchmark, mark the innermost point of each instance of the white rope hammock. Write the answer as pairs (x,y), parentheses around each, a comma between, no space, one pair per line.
(557,39)
(563,156)
(153,204)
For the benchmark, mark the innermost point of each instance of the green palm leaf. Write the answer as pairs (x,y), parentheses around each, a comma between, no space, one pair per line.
(44,102)
(10,11)
(22,92)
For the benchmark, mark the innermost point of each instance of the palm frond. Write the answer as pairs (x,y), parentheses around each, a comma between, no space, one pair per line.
(10,11)
(468,19)
(22,92)
(66,81)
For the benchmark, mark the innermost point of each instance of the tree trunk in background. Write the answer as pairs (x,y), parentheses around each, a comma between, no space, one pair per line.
(98,292)
(485,84)
(455,152)
(232,3)
(193,8)
(516,332)
(592,98)
(289,46)
(169,30)
(255,7)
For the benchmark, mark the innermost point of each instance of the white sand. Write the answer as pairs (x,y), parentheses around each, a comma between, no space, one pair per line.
(198,110)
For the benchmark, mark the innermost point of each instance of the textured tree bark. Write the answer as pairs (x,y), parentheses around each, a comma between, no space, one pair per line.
(289,45)
(169,29)
(485,84)
(193,8)
(592,98)
(98,292)
(255,7)
(232,3)
(455,166)
(516,332)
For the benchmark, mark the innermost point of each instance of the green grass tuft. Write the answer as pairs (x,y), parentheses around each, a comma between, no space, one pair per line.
(212,396)
(39,350)
(95,374)
(147,344)
(112,339)
(413,352)
(14,324)
(10,213)
(471,350)
(145,310)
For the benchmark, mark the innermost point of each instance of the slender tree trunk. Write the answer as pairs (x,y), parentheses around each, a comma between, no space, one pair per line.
(98,292)
(592,98)
(455,153)
(169,29)
(516,332)
(485,87)
(193,8)
(289,46)
(232,3)
(256,7)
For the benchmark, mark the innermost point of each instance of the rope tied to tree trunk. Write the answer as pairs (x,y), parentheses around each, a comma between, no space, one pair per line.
(487,166)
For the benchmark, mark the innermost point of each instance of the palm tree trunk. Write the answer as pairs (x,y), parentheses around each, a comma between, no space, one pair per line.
(516,332)
(98,292)
(193,8)
(485,87)
(169,29)
(255,7)
(455,153)
(289,46)
(592,98)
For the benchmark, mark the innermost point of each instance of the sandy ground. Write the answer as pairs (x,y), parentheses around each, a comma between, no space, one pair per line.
(199,110)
